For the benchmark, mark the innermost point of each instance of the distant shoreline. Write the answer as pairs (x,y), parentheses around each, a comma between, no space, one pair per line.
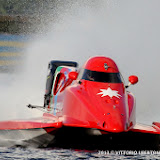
(18,24)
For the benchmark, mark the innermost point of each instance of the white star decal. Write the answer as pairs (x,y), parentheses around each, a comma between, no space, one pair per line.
(109,92)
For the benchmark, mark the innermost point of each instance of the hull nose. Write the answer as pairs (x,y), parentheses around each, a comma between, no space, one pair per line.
(115,124)
(115,127)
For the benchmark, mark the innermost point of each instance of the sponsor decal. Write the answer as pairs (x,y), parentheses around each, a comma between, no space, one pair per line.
(109,92)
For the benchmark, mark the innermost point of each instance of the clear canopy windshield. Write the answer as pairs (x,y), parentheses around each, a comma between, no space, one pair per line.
(101,76)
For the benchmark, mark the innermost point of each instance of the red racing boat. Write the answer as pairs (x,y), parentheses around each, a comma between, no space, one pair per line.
(87,108)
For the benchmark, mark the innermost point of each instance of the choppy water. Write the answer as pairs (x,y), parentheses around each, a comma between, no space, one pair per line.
(63,154)
(124,43)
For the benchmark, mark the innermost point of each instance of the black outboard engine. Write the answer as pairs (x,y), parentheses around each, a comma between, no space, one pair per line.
(52,66)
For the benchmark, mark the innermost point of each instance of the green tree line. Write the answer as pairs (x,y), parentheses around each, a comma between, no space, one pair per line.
(19,16)
(21,7)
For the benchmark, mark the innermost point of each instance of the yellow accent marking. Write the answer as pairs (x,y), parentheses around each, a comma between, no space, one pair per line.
(9,54)
(12,44)
(7,63)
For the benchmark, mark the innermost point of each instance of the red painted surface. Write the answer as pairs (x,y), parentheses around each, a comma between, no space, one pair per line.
(133,79)
(84,107)
(95,110)
(73,75)
(97,64)
(107,107)
(82,102)
(46,121)
(132,109)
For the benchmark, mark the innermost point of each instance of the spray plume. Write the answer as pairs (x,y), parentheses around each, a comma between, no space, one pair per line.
(126,31)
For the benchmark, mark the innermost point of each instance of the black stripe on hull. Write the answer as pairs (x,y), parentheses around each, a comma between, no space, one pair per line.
(78,138)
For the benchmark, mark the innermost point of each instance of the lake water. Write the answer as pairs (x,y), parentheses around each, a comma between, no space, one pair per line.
(65,154)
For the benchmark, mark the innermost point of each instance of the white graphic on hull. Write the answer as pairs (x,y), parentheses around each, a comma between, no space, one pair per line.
(109,92)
